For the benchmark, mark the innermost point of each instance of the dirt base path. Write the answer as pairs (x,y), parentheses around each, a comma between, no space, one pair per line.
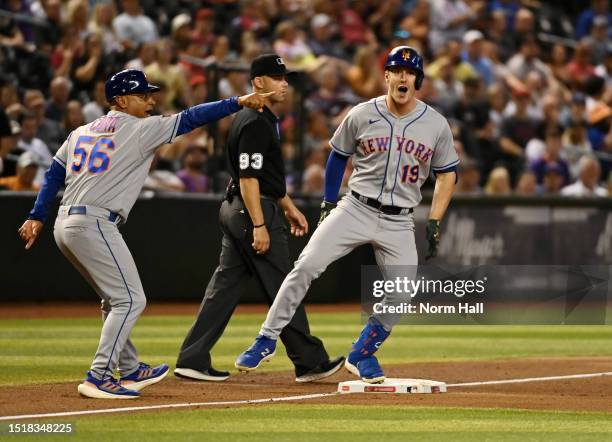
(591,394)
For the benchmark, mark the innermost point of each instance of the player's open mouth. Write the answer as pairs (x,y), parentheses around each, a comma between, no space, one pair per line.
(403,89)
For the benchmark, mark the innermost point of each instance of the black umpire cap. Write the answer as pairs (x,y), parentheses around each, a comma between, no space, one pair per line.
(271,65)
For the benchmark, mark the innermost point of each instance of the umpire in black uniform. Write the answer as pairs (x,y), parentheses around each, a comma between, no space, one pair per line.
(255,238)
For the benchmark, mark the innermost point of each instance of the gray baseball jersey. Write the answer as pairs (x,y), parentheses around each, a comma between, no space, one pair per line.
(392,157)
(108,160)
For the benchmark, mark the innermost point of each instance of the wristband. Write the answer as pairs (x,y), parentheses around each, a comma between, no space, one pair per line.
(257,227)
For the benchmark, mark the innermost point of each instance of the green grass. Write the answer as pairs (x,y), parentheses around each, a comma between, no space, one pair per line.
(344,423)
(51,350)
(55,350)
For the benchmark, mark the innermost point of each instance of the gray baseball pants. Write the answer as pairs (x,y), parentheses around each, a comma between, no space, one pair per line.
(348,226)
(95,247)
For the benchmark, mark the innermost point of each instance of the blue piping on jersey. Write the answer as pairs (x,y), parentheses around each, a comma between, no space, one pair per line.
(382,187)
(400,154)
(174,128)
(449,165)
(129,308)
(340,151)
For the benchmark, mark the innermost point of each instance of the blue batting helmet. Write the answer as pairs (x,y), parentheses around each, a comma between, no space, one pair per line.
(127,82)
(409,57)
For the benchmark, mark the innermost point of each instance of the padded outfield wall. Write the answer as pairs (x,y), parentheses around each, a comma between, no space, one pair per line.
(175,242)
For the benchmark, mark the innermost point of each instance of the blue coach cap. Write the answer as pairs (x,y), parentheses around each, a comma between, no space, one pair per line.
(127,82)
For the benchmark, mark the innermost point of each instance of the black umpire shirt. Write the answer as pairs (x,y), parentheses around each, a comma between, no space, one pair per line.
(254,151)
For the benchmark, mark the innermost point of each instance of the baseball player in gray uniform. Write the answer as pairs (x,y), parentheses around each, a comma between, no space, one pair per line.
(394,141)
(103,166)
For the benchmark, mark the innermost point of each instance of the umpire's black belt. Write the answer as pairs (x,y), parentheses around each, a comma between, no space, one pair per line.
(387,210)
(82,210)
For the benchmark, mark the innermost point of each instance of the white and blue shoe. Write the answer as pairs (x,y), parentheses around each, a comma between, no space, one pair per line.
(361,360)
(144,376)
(263,349)
(107,388)
(368,369)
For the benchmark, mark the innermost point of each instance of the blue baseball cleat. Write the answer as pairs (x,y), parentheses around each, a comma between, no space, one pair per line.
(361,361)
(367,369)
(106,388)
(144,376)
(263,349)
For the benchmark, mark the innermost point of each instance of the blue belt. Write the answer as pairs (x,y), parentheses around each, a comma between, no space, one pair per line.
(82,210)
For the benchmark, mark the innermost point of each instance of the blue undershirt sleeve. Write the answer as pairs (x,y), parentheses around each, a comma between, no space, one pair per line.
(334,171)
(54,179)
(204,113)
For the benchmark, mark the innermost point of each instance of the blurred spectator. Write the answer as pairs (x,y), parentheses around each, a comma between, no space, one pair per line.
(594,87)
(473,41)
(220,52)
(498,182)
(450,20)
(558,63)
(77,14)
(318,132)
(587,17)
(604,70)
(101,23)
(132,26)
(203,31)
(290,45)
(448,89)
(29,143)
(181,31)
(576,111)
(313,180)
(353,29)
(73,118)
(575,144)
(165,71)
(332,98)
(462,70)
(88,66)
(497,33)
(553,179)
(526,184)
(48,35)
(58,101)
(199,91)
(468,182)
(49,131)
(192,175)
(598,41)
(162,179)
(526,60)
(235,83)
(550,156)
(417,23)
(515,132)
(322,42)
(588,180)
(98,106)
(27,167)
(580,68)
(365,76)
(146,55)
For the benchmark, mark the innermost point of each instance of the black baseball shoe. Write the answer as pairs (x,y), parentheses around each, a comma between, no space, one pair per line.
(322,371)
(210,375)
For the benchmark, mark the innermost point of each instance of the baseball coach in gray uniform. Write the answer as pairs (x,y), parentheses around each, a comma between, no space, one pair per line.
(395,141)
(103,165)
(254,238)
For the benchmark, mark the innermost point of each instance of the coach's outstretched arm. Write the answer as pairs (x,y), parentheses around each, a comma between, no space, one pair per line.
(205,113)
(445,186)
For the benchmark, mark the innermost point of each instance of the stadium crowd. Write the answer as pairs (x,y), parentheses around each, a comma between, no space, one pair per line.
(526,85)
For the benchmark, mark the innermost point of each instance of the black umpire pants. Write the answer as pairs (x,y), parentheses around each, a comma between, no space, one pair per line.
(237,261)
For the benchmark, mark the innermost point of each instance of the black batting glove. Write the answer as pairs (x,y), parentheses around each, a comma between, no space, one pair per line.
(433,237)
(326,208)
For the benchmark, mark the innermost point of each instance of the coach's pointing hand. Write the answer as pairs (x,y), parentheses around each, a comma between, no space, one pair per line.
(256,100)
(29,231)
